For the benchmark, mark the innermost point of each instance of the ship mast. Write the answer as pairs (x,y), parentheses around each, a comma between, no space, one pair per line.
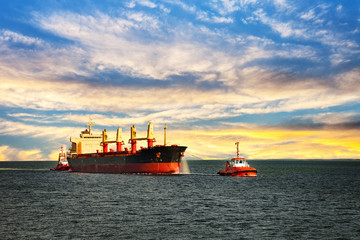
(90,124)
(237,149)
(165,135)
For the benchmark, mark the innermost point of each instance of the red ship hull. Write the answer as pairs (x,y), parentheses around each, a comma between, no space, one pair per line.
(141,168)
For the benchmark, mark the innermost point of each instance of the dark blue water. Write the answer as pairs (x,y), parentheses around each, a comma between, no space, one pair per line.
(288,200)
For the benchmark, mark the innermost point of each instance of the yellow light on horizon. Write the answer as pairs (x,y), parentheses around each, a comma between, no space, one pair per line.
(273,143)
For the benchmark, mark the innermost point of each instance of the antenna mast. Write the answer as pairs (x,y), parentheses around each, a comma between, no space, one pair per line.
(165,135)
(237,149)
(90,124)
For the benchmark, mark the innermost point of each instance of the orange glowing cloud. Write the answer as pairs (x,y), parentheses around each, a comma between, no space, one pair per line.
(271,143)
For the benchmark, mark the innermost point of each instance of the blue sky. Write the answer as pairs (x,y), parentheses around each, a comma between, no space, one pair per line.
(281,77)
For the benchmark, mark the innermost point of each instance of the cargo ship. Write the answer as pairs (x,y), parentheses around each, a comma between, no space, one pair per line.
(63,164)
(90,153)
(238,167)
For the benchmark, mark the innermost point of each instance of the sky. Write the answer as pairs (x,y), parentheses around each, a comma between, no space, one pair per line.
(280,77)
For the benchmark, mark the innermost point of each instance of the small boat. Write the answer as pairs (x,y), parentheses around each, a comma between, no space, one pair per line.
(238,167)
(63,164)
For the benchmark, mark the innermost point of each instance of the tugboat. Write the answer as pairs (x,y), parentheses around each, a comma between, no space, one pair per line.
(238,167)
(63,164)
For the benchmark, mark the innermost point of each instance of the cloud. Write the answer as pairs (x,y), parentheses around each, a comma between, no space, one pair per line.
(327,120)
(316,15)
(10,36)
(183,5)
(147,3)
(313,25)
(12,128)
(8,153)
(118,43)
(310,15)
(204,16)
(151,59)
(112,43)
(296,28)
(348,82)
(223,20)
(286,29)
(339,8)
(27,117)
(331,117)
(225,7)
(46,62)
(283,5)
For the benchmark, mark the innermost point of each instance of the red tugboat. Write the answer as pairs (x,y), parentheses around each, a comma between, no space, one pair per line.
(238,167)
(63,164)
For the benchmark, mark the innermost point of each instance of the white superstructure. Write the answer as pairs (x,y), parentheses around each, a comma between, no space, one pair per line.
(238,162)
(87,143)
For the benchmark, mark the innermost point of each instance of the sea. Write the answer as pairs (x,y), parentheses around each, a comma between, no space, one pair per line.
(289,199)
